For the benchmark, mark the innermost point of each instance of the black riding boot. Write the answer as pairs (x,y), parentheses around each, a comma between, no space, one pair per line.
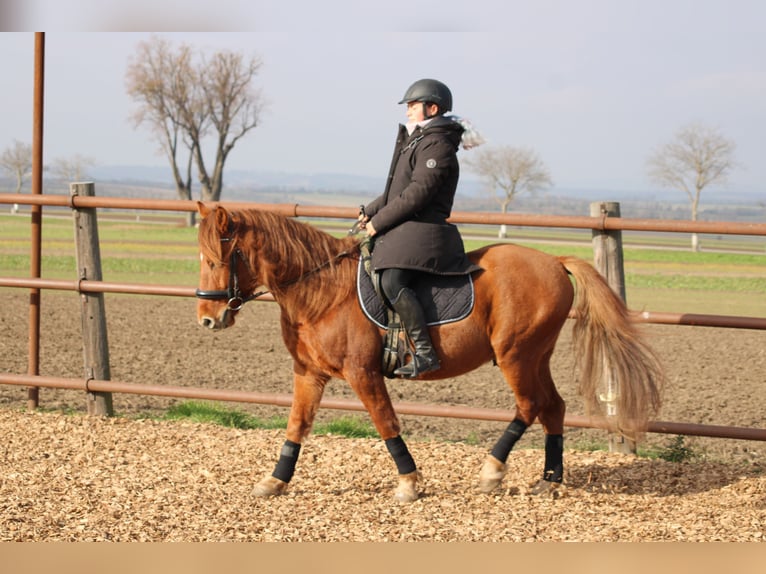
(413,319)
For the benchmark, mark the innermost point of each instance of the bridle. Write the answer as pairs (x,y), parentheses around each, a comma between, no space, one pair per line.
(232,294)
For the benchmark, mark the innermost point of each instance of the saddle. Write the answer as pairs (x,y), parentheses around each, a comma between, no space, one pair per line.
(445,299)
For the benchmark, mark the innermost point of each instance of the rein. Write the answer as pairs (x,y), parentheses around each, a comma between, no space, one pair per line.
(235,300)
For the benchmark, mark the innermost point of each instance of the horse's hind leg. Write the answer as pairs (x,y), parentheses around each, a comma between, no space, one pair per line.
(552,418)
(493,469)
(536,396)
(515,372)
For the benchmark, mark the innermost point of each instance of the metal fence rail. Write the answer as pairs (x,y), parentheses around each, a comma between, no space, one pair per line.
(84,286)
(406,408)
(603,223)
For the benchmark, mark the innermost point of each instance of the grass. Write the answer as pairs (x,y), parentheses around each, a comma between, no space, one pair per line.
(658,279)
(61,228)
(698,283)
(211,413)
(676,449)
(129,250)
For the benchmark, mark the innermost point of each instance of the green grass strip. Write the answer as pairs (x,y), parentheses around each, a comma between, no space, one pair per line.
(698,283)
(211,413)
(133,265)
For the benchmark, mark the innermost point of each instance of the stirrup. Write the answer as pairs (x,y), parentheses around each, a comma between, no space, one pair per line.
(418,365)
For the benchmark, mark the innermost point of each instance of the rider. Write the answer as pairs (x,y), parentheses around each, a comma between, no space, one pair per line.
(409,220)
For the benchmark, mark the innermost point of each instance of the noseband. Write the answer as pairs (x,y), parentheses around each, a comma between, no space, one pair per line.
(232,294)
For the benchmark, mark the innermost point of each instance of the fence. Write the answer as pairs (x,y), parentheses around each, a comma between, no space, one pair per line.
(97,384)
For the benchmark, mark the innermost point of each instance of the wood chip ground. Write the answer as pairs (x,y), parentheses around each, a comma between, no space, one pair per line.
(75,478)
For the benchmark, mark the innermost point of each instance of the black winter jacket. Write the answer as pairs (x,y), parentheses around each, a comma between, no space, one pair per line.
(410,218)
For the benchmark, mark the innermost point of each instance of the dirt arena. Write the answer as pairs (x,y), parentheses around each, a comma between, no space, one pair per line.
(70,477)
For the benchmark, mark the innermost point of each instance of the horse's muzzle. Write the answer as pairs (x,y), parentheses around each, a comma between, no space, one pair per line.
(217,323)
(209,323)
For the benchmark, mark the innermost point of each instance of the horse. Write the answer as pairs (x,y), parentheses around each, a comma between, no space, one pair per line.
(523,298)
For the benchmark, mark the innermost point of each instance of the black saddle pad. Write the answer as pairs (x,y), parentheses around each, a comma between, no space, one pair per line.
(445,298)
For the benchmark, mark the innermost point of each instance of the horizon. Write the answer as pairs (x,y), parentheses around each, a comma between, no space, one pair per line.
(472,185)
(239,181)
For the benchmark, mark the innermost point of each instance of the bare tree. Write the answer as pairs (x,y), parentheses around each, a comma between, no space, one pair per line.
(73,168)
(233,109)
(186,100)
(697,157)
(163,83)
(16,161)
(510,171)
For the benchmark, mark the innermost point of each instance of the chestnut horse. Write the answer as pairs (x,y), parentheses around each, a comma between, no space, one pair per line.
(522,300)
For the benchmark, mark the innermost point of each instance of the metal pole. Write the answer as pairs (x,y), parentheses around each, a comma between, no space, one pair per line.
(33,393)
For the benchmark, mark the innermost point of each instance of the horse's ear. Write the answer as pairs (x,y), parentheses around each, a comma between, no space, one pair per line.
(222,220)
(203,209)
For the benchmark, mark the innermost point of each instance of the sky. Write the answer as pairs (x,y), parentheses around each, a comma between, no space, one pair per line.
(592,86)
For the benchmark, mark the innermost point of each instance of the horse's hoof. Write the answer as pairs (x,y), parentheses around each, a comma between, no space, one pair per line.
(407,491)
(547,488)
(491,475)
(269,486)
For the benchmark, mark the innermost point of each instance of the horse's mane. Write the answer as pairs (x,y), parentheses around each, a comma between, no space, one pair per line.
(290,256)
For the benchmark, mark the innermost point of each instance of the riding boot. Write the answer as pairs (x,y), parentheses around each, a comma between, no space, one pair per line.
(413,319)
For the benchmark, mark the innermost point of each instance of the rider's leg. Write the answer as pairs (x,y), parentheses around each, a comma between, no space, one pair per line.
(404,301)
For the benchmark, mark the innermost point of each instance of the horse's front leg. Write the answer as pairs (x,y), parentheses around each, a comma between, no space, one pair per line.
(307,394)
(370,387)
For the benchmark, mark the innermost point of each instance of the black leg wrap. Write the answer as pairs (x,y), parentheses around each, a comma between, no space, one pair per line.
(503,447)
(554,458)
(405,464)
(288,457)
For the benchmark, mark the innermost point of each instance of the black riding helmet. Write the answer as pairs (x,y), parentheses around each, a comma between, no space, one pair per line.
(429,91)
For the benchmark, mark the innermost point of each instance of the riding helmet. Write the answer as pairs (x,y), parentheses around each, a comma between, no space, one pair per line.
(427,90)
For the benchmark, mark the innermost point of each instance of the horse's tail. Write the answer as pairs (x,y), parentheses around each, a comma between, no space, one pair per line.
(611,353)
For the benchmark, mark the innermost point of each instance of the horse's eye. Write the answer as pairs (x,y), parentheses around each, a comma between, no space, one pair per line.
(209,262)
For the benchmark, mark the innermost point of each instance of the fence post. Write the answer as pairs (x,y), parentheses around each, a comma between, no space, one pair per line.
(607,247)
(608,259)
(94,333)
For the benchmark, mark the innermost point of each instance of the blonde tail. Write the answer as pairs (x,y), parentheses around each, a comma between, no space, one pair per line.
(610,349)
